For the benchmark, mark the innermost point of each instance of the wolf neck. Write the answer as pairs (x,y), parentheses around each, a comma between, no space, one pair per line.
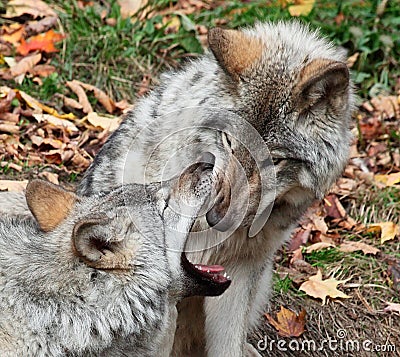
(82,307)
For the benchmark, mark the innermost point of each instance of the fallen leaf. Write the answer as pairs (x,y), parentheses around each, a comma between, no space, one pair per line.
(82,97)
(43,25)
(388,180)
(49,176)
(299,237)
(109,124)
(14,36)
(318,246)
(352,59)
(130,7)
(35,8)
(43,42)
(12,165)
(387,230)
(394,274)
(288,323)
(39,107)
(42,70)
(13,186)
(25,65)
(57,122)
(9,128)
(349,247)
(318,288)
(392,307)
(102,97)
(301,7)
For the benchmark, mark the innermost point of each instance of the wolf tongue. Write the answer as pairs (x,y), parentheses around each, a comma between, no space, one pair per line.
(213,269)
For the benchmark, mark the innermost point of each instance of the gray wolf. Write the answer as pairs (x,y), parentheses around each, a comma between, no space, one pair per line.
(100,276)
(291,86)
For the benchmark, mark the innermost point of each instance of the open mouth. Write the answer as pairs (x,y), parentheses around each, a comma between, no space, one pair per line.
(208,280)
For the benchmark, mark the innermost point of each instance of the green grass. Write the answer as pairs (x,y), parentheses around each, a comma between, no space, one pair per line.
(115,58)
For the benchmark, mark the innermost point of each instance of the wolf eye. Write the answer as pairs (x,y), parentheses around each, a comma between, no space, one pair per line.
(277,160)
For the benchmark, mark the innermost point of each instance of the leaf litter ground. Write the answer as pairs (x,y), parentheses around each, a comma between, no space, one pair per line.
(345,251)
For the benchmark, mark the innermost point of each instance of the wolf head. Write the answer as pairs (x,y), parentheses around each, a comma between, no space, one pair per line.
(293,87)
(136,233)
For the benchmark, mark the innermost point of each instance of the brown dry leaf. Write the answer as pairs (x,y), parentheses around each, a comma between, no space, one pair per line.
(301,7)
(9,128)
(72,103)
(43,25)
(392,307)
(49,176)
(12,165)
(349,247)
(57,122)
(123,105)
(6,97)
(352,59)
(35,8)
(318,246)
(40,108)
(109,124)
(102,97)
(42,70)
(288,323)
(387,106)
(321,289)
(387,230)
(82,97)
(25,65)
(130,7)
(388,180)
(14,186)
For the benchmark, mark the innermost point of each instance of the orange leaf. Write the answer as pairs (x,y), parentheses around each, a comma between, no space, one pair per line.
(288,323)
(13,36)
(43,42)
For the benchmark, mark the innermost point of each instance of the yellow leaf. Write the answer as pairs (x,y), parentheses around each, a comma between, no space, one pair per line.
(388,230)
(318,288)
(388,180)
(301,8)
(40,108)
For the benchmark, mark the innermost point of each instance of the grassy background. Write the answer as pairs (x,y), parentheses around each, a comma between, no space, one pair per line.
(116,57)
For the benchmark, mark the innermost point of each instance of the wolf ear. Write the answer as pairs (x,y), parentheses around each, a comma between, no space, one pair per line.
(321,78)
(234,50)
(50,204)
(96,242)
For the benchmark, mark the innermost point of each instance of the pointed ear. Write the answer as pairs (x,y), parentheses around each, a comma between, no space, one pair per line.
(322,78)
(50,204)
(234,50)
(98,243)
